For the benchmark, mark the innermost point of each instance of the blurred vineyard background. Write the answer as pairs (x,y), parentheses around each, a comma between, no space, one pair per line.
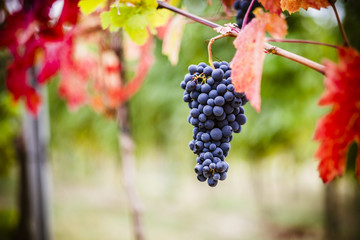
(272,192)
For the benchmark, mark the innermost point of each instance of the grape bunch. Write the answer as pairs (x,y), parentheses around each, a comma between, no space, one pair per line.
(215,112)
(241,6)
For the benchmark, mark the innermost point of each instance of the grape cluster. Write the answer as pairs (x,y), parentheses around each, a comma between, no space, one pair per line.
(215,112)
(242,6)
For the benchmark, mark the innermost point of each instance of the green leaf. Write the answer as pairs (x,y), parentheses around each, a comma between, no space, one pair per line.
(137,22)
(157,18)
(89,6)
(150,3)
(137,35)
(113,28)
(135,16)
(135,27)
(106,19)
(121,18)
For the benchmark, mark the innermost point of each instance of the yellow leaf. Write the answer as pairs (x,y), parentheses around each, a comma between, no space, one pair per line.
(172,39)
(89,6)
(106,19)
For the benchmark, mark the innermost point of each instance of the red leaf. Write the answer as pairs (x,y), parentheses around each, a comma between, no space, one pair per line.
(51,60)
(14,25)
(17,85)
(146,59)
(28,31)
(33,101)
(338,129)
(272,6)
(248,61)
(16,80)
(70,12)
(77,64)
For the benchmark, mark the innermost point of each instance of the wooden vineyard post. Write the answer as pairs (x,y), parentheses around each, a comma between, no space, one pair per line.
(126,146)
(34,174)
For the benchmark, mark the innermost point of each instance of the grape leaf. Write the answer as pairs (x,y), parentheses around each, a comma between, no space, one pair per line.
(51,63)
(248,61)
(271,5)
(276,25)
(339,128)
(16,84)
(146,60)
(105,19)
(77,65)
(88,6)
(172,39)
(136,28)
(294,5)
(135,17)
(26,33)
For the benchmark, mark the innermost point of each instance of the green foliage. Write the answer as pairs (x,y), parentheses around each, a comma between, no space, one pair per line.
(135,17)
(352,23)
(89,6)
(79,136)
(9,121)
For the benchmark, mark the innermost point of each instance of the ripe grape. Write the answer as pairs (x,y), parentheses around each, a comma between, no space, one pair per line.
(242,6)
(215,112)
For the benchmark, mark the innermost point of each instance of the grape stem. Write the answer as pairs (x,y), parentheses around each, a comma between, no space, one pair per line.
(294,57)
(215,18)
(300,41)
(211,42)
(341,27)
(268,47)
(247,14)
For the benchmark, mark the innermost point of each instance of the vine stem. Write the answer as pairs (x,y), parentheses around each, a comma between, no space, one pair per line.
(268,47)
(211,42)
(294,57)
(162,4)
(247,14)
(301,41)
(341,27)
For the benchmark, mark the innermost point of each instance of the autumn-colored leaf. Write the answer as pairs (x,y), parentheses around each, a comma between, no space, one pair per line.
(248,61)
(172,38)
(146,59)
(16,83)
(339,128)
(276,25)
(26,33)
(88,6)
(51,63)
(77,65)
(272,6)
(294,5)
(108,80)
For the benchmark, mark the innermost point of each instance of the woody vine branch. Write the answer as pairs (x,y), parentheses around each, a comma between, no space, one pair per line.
(268,47)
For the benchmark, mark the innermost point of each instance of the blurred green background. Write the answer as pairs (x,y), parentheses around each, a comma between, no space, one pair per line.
(272,192)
